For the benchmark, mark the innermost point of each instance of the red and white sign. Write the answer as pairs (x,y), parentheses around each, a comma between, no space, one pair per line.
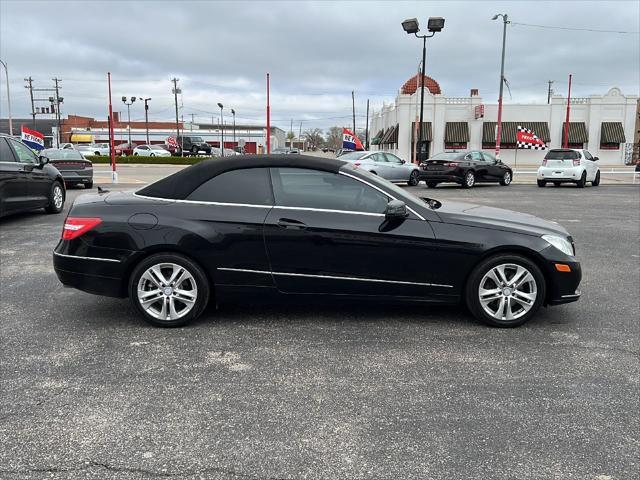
(479,111)
(527,139)
(172,142)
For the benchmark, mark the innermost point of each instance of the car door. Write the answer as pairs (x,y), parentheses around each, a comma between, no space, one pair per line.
(495,170)
(477,163)
(13,187)
(35,181)
(590,165)
(327,234)
(396,167)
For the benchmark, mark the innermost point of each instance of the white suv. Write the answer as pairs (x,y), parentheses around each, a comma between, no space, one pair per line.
(569,165)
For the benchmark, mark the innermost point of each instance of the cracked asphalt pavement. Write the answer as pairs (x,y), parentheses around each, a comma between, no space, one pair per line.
(253,391)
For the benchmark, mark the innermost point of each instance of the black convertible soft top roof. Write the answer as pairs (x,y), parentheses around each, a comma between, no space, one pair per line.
(179,185)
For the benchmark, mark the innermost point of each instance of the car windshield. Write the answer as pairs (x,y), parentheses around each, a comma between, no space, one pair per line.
(446,156)
(156,147)
(55,154)
(353,156)
(83,147)
(561,155)
(196,139)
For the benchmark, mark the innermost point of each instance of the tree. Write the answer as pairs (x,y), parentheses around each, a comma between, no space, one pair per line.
(313,137)
(334,138)
(291,137)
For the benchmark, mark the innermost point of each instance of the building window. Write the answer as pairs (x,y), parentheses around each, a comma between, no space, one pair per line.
(579,146)
(609,146)
(503,146)
(455,145)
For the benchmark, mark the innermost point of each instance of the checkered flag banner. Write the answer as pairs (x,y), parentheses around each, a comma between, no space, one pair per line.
(527,139)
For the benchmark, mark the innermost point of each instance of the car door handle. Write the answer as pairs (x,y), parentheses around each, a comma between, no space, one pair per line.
(292,224)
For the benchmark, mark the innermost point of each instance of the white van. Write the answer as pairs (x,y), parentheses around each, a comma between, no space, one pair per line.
(569,165)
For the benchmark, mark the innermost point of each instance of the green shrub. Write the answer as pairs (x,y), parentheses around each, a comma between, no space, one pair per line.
(98,159)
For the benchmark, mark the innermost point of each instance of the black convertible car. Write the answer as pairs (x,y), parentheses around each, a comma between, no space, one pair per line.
(294,226)
(465,168)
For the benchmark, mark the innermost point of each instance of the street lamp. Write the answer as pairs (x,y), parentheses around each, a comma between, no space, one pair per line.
(6,72)
(505,20)
(124,100)
(146,117)
(233,112)
(411,26)
(221,130)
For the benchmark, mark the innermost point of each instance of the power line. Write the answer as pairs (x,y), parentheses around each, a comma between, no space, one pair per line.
(554,27)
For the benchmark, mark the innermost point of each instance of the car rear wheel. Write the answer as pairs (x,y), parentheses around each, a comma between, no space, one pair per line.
(542,183)
(505,290)
(469,180)
(414,179)
(56,198)
(583,180)
(432,184)
(152,155)
(506,179)
(169,290)
(194,150)
(596,181)
(89,185)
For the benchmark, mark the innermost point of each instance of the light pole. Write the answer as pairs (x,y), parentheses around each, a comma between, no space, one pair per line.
(411,26)
(6,72)
(146,117)
(505,20)
(221,130)
(124,100)
(233,112)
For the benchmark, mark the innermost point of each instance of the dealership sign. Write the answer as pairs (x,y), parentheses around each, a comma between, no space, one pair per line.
(33,139)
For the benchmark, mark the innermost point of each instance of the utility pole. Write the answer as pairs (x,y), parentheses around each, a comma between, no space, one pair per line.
(175,92)
(58,102)
(6,72)
(292,136)
(549,91)
(146,117)
(268,119)
(233,112)
(505,21)
(353,106)
(300,135)
(366,131)
(192,120)
(29,85)
(565,135)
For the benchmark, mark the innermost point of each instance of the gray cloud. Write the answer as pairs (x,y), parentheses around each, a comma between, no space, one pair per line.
(316,52)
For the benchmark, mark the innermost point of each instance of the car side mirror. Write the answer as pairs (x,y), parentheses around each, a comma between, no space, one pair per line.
(403,162)
(595,159)
(396,209)
(43,160)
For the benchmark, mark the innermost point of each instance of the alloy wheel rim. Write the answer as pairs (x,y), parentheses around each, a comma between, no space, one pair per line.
(167,291)
(507,292)
(414,178)
(507,178)
(470,179)
(57,197)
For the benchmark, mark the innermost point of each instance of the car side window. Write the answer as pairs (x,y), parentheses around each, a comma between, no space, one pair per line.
(6,155)
(488,157)
(378,157)
(248,186)
(304,188)
(392,158)
(587,155)
(24,153)
(475,156)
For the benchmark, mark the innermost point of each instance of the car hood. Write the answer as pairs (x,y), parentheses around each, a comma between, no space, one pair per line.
(461,213)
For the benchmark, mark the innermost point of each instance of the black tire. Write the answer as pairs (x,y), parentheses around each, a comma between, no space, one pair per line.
(432,184)
(194,150)
(506,179)
(596,181)
(471,295)
(56,192)
(469,179)
(202,284)
(414,178)
(152,155)
(135,154)
(373,172)
(583,180)
(96,153)
(542,183)
(88,185)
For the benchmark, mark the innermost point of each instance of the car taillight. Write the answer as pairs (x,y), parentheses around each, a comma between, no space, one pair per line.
(450,164)
(576,162)
(544,162)
(76,226)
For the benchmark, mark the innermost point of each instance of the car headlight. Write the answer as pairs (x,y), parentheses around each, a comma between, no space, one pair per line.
(560,243)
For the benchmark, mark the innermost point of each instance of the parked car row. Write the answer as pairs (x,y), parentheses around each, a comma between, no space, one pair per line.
(470,167)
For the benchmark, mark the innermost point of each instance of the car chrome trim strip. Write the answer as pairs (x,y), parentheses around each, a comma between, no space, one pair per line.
(381,191)
(202,202)
(573,295)
(333,277)
(310,209)
(86,258)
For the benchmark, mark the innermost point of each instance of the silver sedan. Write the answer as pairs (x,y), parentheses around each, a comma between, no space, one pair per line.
(385,165)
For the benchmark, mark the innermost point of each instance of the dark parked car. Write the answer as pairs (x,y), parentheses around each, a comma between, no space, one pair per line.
(75,169)
(465,168)
(125,149)
(27,182)
(191,144)
(306,227)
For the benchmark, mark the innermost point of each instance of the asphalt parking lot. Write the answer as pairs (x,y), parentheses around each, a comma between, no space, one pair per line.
(327,391)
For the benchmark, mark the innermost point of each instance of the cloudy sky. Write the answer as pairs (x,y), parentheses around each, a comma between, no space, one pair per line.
(316,52)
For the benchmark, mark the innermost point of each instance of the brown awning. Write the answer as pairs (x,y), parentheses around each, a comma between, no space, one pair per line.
(577,132)
(510,129)
(376,140)
(612,132)
(391,136)
(456,132)
(426,131)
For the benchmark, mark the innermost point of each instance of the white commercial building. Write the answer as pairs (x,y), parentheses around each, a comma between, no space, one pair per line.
(602,124)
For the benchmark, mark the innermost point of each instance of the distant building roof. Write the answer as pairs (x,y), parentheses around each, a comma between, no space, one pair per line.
(411,85)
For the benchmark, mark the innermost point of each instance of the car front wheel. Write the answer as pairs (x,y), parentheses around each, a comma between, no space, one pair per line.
(432,184)
(413,179)
(169,290)
(596,181)
(506,179)
(56,198)
(505,290)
